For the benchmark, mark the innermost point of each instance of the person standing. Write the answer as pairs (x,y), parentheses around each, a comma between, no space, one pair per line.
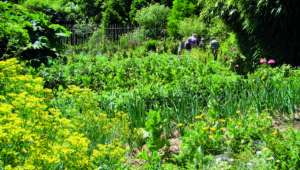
(214,44)
(202,43)
(180,48)
(191,42)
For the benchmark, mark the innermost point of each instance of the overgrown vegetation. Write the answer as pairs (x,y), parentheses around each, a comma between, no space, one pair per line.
(134,103)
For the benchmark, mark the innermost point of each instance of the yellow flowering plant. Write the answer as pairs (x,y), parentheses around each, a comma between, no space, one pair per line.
(36,133)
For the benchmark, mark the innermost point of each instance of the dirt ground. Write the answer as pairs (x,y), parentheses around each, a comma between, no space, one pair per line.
(283,124)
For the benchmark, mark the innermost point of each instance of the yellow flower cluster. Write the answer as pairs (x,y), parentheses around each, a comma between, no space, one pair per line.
(34,135)
(109,153)
(5,108)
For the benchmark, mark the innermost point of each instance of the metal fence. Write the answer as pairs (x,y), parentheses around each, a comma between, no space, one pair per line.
(80,34)
(113,32)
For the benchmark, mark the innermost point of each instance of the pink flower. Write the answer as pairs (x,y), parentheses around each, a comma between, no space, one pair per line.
(271,62)
(262,61)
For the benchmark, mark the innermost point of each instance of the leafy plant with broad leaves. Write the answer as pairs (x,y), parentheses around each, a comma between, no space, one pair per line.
(28,35)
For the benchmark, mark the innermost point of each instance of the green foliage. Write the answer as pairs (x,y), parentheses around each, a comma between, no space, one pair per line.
(154,125)
(264,27)
(217,113)
(110,156)
(285,149)
(232,55)
(135,6)
(177,88)
(217,28)
(28,35)
(90,8)
(114,12)
(192,25)
(153,19)
(140,83)
(40,131)
(249,134)
(151,45)
(214,28)
(134,105)
(54,4)
(132,39)
(63,12)
(180,10)
(153,160)
(139,4)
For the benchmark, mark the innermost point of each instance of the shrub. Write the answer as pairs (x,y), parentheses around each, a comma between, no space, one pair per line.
(153,19)
(135,6)
(151,45)
(192,25)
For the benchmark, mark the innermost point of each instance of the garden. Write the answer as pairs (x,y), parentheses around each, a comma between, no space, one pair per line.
(100,84)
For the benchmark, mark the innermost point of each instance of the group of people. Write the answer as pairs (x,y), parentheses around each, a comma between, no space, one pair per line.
(193,42)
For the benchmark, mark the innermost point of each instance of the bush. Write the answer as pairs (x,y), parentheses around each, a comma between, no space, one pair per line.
(151,45)
(135,6)
(153,20)
(192,25)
